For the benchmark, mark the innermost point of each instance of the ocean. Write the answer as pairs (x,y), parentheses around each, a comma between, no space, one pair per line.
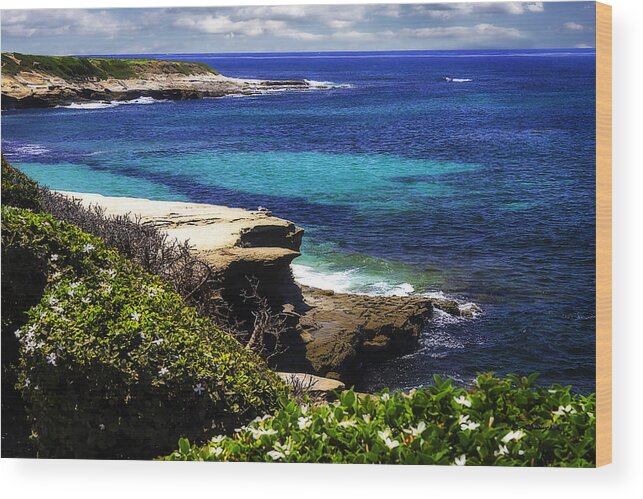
(466,174)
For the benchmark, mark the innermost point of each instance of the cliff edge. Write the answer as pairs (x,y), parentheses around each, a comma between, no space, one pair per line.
(48,81)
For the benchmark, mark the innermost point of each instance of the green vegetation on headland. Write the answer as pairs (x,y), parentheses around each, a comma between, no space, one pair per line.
(80,68)
(111,362)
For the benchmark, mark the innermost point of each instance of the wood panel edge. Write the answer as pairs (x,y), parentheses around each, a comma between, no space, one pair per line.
(603,234)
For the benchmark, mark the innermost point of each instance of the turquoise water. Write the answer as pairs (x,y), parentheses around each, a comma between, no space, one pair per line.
(405,184)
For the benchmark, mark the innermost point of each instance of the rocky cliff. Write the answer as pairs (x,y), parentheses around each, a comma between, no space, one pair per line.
(48,81)
(331,334)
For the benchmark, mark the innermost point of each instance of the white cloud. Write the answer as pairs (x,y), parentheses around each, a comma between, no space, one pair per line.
(61,22)
(477,31)
(450,10)
(573,26)
(224,25)
(583,46)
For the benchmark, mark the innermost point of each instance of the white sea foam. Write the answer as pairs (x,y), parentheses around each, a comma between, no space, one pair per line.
(348,281)
(334,281)
(114,103)
(27,149)
(457,80)
(327,84)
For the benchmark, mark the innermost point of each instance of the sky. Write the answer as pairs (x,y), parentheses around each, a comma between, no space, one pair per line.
(300,28)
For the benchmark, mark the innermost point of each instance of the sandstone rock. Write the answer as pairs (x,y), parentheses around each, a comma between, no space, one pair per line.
(342,331)
(331,334)
(34,87)
(311,382)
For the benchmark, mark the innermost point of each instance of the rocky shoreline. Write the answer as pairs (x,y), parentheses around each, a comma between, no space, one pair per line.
(331,334)
(33,86)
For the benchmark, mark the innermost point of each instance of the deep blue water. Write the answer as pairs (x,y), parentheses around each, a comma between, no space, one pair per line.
(482,190)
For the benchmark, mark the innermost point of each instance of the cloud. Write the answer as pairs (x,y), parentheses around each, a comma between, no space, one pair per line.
(450,10)
(584,46)
(224,25)
(465,32)
(573,26)
(61,22)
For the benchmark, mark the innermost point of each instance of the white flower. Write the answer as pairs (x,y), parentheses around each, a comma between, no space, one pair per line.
(347,424)
(53,257)
(17,333)
(257,433)
(463,419)
(56,275)
(217,439)
(27,381)
(88,247)
(216,451)
(304,409)
(111,273)
(51,359)
(513,435)
(391,444)
(460,461)
(462,400)
(304,422)
(502,451)
(417,431)
(135,316)
(279,451)
(384,434)
(53,300)
(85,299)
(101,426)
(564,410)
(158,341)
(385,397)
(260,419)
(199,389)
(470,425)
(163,371)
(366,417)
(107,290)
(74,285)
(276,455)
(521,452)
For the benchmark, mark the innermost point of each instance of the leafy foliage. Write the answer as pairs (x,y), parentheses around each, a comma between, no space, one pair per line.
(504,422)
(79,68)
(18,189)
(112,363)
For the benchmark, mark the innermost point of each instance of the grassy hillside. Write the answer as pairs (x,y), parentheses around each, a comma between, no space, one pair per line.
(75,68)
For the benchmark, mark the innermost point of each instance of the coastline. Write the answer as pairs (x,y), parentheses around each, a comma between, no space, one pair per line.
(333,333)
(32,86)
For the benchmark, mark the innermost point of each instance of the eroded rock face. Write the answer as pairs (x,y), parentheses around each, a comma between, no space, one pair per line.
(36,88)
(330,334)
(340,332)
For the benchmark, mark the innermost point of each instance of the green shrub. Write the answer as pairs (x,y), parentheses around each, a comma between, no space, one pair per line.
(504,422)
(18,189)
(101,68)
(113,364)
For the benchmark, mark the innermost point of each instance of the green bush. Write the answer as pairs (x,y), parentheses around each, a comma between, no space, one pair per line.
(504,422)
(113,364)
(18,189)
(78,68)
